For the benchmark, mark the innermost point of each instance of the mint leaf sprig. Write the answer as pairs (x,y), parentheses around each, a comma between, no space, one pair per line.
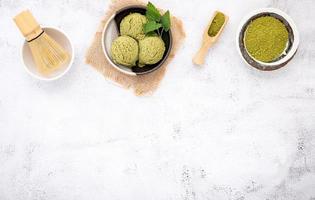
(156,21)
(152,13)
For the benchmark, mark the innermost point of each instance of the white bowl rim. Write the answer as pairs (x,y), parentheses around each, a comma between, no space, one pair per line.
(61,74)
(296,34)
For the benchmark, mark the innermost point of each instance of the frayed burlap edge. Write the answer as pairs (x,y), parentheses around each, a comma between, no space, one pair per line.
(141,85)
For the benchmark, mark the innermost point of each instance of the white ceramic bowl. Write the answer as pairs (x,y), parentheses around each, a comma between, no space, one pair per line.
(64,41)
(294,39)
(111,32)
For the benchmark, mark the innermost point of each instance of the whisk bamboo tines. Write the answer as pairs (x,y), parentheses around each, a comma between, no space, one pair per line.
(48,55)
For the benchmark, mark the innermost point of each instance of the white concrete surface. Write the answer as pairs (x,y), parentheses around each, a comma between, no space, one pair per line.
(223,131)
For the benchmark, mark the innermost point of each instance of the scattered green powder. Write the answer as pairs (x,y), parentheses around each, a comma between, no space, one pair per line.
(266,38)
(216,24)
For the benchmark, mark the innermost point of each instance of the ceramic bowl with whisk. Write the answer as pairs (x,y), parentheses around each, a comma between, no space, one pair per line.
(29,64)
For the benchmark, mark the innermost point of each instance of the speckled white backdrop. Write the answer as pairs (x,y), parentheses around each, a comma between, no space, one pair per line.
(223,131)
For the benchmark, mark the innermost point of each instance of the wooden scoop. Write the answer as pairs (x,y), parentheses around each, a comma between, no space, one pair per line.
(208,40)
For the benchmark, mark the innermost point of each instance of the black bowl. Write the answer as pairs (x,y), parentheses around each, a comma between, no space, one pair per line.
(166,37)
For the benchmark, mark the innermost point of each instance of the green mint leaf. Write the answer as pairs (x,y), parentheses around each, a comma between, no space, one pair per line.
(152,33)
(153,13)
(166,21)
(151,26)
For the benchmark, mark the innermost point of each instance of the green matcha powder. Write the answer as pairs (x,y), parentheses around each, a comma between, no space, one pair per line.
(266,39)
(216,24)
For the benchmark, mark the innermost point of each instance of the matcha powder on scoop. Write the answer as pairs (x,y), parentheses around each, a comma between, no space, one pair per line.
(266,39)
(216,24)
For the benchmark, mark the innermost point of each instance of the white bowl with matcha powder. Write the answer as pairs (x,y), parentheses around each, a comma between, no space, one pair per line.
(267,39)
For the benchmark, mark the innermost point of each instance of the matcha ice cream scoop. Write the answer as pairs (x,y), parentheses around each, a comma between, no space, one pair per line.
(132,25)
(125,51)
(152,49)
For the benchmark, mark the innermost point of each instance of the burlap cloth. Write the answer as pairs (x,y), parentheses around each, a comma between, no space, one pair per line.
(141,85)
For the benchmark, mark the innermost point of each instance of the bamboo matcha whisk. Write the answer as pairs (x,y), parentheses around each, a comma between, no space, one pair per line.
(48,55)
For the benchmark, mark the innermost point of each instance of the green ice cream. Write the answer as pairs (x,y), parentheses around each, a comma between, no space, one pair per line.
(151,50)
(125,51)
(132,25)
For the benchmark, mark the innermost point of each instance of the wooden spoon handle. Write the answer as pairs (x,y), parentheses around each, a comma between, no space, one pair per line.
(200,57)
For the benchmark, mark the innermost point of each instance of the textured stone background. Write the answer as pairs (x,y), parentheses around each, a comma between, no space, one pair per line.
(222,131)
